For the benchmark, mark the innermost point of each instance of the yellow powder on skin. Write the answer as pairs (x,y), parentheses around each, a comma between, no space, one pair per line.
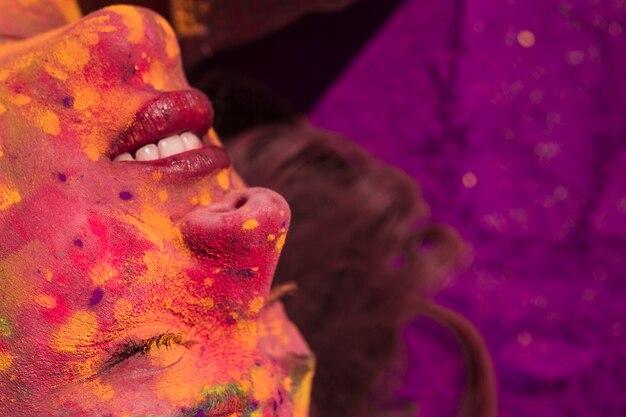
(302,396)
(223,179)
(159,267)
(45,301)
(132,20)
(71,54)
(102,391)
(288,383)
(250,224)
(163,196)
(8,196)
(6,361)
(21,99)
(48,121)
(2,108)
(213,138)
(156,227)
(178,384)
(123,310)
(207,303)
(87,368)
(271,238)
(101,273)
(256,304)
(79,331)
(247,334)
(5,328)
(85,97)
(263,383)
(16,292)
(22,61)
(55,71)
(157,75)
(171,46)
(205,197)
(280,243)
(93,148)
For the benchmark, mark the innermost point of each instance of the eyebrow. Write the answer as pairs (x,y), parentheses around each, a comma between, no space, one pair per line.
(132,347)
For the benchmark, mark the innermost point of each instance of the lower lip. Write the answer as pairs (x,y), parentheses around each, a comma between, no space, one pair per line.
(186,165)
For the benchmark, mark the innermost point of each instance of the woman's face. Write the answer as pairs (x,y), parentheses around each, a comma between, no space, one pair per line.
(132,288)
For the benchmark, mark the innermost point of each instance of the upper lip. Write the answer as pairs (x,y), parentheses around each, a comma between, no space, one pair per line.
(168,114)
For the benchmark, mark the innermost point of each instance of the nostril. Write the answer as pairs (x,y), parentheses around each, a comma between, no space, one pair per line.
(241,202)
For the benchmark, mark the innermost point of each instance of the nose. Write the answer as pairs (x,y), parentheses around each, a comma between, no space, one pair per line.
(126,44)
(239,239)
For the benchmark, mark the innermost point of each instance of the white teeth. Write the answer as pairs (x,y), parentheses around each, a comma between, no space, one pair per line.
(147,153)
(165,147)
(124,157)
(170,146)
(190,141)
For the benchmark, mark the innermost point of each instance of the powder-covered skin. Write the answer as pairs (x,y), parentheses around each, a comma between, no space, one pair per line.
(129,290)
(20,19)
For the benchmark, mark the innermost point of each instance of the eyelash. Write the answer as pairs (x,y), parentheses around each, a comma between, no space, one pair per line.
(143,347)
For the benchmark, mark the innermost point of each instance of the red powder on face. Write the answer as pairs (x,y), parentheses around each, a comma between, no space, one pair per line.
(99,229)
(59,313)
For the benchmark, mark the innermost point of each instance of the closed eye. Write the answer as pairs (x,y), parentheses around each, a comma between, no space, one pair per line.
(133,347)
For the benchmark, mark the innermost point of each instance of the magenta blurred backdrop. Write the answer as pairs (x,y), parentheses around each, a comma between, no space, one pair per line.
(511,114)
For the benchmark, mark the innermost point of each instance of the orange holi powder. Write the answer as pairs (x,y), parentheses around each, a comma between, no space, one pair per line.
(223,179)
(101,273)
(45,301)
(132,20)
(79,331)
(250,224)
(8,196)
(280,243)
(6,361)
(48,121)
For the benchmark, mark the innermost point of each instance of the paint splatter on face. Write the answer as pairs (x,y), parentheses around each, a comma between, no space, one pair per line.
(132,287)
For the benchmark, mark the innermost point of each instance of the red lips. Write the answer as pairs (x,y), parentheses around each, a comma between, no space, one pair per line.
(169,114)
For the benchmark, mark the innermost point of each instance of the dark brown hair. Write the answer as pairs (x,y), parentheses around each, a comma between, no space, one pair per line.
(362,253)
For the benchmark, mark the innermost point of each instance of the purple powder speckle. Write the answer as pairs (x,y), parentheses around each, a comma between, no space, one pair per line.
(68,101)
(96,296)
(78,242)
(62,177)
(125,195)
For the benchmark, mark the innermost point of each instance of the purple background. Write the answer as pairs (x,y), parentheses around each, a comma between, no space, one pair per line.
(446,91)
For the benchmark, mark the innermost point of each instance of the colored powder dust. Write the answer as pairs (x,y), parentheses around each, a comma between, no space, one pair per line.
(125,195)
(5,327)
(96,297)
